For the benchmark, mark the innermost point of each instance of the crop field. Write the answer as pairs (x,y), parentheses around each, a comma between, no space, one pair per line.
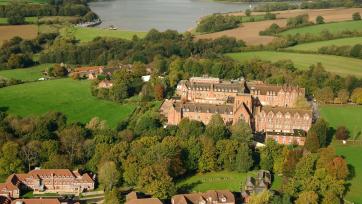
(23,31)
(331,27)
(314,46)
(25,74)
(71,97)
(353,153)
(336,64)
(88,34)
(344,115)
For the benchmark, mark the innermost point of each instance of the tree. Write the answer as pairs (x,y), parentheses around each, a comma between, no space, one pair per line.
(31,154)
(111,197)
(59,71)
(356,16)
(108,175)
(155,180)
(159,91)
(320,127)
(226,150)
(356,96)
(72,138)
(319,20)
(216,128)
(247,12)
(301,102)
(10,161)
(308,197)
(338,168)
(342,133)
(207,161)
(16,14)
(312,142)
(57,161)
(260,198)
(244,160)
(330,198)
(325,95)
(190,128)
(343,96)
(241,132)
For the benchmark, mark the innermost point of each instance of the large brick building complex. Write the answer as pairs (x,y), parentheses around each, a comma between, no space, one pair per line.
(268,109)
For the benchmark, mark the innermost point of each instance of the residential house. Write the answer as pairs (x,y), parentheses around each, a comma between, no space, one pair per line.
(210,197)
(134,198)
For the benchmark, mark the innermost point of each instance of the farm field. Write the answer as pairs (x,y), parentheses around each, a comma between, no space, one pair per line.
(331,27)
(353,153)
(314,46)
(346,115)
(23,31)
(336,64)
(214,181)
(249,32)
(88,34)
(25,74)
(71,97)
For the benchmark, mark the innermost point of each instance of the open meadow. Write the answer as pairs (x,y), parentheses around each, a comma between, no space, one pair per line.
(71,97)
(353,153)
(349,116)
(331,27)
(88,34)
(314,46)
(25,74)
(336,64)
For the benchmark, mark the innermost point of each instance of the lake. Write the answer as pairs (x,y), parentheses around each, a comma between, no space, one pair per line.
(143,15)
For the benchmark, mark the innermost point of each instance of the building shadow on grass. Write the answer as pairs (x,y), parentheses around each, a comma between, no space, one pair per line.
(330,133)
(3,109)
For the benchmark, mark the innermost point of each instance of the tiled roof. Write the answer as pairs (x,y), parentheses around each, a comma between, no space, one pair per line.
(285,110)
(204,108)
(37,201)
(265,88)
(144,201)
(85,69)
(196,198)
(50,172)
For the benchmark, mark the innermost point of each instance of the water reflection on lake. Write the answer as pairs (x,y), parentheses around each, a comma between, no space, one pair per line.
(142,15)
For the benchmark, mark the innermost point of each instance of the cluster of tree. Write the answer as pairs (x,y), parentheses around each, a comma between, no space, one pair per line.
(312,174)
(293,22)
(17,53)
(140,153)
(346,50)
(16,11)
(323,4)
(217,22)
(275,6)
(58,70)
(166,44)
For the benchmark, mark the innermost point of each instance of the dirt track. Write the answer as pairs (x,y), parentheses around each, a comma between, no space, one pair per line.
(24,31)
(249,32)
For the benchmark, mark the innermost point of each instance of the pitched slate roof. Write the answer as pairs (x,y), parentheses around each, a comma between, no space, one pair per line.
(204,108)
(285,110)
(209,197)
(265,88)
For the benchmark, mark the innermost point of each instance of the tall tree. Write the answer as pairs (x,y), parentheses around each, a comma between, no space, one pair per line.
(244,160)
(241,132)
(207,161)
(321,128)
(10,161)
(308,197)
(312,142)
(216,128)
(108,175)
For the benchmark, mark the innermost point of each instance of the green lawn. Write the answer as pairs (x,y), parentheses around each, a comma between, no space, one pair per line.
(314,46)
(71,97)
(88,34)
(352,154)
(30,20)
(349,116)
(25,74)
(331,27)
(336,64)
(214,181)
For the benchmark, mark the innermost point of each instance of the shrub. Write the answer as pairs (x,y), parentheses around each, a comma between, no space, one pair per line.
(342,133)
(319,20)
(270,16)
(218,22)
(247,12)
(356,16)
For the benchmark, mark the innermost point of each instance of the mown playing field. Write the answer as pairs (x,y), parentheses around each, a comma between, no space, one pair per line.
(349,116)
(336,64)
(214,181)
(314,46)
(331,27)
(25,74)
(353,153)
(88,34)
(71,97)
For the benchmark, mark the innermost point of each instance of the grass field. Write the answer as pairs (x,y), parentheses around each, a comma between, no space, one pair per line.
(314,46)
(25,74)
(214,181)
(336,64)
(88,34)
(344,115)
(73,98)
(331,27)
(352,154)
